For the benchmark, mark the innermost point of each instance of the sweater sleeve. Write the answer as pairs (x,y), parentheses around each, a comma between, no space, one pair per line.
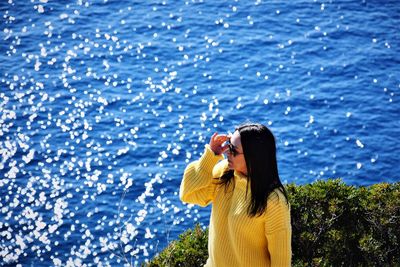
(197,186)
(278,230)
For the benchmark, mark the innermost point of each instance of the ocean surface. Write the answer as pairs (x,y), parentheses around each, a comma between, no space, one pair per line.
(104,103)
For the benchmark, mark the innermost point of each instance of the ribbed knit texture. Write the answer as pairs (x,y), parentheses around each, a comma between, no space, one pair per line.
(235,239)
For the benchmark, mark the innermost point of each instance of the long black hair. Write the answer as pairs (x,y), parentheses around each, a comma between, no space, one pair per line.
(259,151)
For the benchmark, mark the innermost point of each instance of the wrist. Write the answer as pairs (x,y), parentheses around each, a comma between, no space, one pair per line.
(212,150)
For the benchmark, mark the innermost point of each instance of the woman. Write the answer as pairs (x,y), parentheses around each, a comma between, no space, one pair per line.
(250,217)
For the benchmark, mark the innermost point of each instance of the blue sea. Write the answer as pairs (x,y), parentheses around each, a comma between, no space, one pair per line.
(104,103)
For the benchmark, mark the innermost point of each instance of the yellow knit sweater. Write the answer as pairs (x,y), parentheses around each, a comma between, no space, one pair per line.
(235,239)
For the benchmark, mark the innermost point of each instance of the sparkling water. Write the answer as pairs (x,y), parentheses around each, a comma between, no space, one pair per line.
(104,103)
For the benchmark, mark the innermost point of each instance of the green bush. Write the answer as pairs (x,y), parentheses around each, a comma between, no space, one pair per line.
(339,225)
(188,251)
(333,224)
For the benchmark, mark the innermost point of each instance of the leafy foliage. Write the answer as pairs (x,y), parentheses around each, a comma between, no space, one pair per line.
(333,224)
(189,250)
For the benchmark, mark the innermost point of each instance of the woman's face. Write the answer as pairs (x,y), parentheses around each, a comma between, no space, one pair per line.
(235,154)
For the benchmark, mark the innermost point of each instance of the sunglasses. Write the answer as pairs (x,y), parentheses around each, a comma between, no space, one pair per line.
(231,148)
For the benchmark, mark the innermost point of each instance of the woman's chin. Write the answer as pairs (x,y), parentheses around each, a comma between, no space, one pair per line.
(230,166)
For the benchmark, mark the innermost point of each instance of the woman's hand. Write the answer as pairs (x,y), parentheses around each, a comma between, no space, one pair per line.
(216,142)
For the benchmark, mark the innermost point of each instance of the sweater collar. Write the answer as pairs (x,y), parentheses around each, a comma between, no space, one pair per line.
(240,177)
